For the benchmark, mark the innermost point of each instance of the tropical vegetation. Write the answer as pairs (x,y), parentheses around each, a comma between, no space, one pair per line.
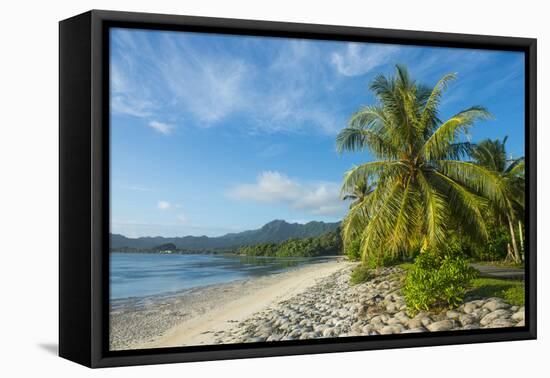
(329,243)
(437,280)
(491,154)
(426,180)
(427,192)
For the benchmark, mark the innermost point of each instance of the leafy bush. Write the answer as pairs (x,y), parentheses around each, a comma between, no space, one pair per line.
(496,248)
(437,280)
(360,274)
(353,250)
(374,262)
(515,295)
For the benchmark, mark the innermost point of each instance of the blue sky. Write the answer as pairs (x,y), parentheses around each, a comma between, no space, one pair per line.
(213,134)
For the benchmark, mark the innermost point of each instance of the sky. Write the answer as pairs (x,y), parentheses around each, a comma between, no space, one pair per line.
(213,133)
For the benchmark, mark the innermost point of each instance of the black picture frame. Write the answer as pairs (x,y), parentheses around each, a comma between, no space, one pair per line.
(84,187)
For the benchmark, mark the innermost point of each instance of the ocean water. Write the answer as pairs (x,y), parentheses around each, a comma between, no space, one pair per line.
(144,274)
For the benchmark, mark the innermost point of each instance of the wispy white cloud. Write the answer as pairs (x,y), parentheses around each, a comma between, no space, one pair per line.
(161,127)
(358,59)
(210,85)
(136,188)
(163,205)
(290,89)
(207,87)
(129,105)
(318,198)
(182,218)
(295,92)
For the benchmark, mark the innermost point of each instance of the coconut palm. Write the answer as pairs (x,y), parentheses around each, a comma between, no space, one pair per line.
(424,188)
(492,155)
(360,191)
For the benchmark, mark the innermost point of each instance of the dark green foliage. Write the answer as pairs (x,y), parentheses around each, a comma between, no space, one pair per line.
(509,212)
(324,245)
(353,250)
(495,248)
(360,274)
(437,280)
(374,262)
(165,247)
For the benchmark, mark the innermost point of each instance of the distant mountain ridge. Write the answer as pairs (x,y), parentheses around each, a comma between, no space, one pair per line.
(273,232)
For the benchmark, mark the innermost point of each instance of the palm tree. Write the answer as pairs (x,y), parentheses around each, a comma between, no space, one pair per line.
(424,188)
(359,192)
(491,154)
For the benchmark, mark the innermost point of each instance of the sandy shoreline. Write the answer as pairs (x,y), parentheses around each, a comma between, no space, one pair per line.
(315,301)
(195,316)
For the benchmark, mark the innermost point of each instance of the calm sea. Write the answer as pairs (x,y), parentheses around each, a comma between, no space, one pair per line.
(143,274)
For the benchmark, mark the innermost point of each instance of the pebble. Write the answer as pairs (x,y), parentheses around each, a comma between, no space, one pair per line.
(493,316)
(333,308)
(442,325)
(494,305)
(466,319)
(519,316)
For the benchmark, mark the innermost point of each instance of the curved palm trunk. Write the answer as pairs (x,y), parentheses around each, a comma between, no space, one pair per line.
(517,257)
(521,240)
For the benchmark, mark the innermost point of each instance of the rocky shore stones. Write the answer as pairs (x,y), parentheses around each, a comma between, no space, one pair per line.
(494,316)
(442,325)
(466,319)
(519,316)
(495,304)
(334,308)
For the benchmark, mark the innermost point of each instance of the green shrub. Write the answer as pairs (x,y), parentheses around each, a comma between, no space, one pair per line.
(374,262)
(515,295)
(494,248)
(437,281)
(353,250)
(360,274)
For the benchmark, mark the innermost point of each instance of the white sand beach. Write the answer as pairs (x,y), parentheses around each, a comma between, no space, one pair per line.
(195,316)
(315,301)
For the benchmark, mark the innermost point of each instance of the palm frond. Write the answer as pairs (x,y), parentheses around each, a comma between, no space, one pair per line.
(398,239)
(480,179)
(354,223)
(437,145)
(468,209)
(436,212)
(428,119)
(358,139)
(516,168)
(380,224)
(369,171)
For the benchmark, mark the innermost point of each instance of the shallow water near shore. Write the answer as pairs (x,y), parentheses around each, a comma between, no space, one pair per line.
(135,275)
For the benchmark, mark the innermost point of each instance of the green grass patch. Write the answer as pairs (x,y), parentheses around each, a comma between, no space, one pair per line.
(502,264)
(510,290)
(405,266)
(360,274)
